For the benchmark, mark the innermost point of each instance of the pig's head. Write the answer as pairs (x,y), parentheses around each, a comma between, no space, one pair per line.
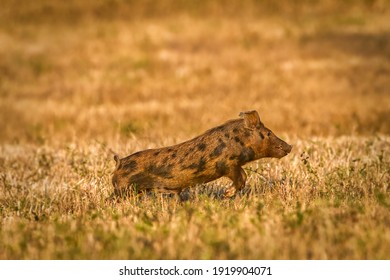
(262,140)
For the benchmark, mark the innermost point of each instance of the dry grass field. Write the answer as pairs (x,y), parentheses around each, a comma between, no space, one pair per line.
(78,78)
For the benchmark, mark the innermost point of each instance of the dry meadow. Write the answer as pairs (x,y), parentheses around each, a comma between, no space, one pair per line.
(81,78)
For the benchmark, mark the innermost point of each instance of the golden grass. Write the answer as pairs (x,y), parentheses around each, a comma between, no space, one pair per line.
(81,78)
(328,200)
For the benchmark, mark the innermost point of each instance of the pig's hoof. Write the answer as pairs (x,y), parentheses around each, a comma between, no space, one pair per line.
(185,195)
(229,192)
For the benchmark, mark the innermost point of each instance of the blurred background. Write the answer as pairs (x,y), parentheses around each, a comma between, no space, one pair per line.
(109,70)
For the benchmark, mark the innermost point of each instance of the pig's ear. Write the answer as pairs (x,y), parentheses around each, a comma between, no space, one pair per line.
(251,119)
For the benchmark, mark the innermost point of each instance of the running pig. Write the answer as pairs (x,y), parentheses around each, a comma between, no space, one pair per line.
(220,151)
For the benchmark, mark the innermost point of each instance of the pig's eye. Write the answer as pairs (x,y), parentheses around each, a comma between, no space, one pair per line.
(269,133)
(261,135)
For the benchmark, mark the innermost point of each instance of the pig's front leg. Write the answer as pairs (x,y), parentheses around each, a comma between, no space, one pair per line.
(238,176)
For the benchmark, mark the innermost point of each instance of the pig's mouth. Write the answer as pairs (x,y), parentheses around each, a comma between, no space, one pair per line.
(284,151)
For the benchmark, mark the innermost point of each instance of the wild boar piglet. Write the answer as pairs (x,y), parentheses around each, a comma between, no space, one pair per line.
(220,151)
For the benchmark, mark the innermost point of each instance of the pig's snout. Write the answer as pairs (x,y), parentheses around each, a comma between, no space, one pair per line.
(283,150)
(286,149)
